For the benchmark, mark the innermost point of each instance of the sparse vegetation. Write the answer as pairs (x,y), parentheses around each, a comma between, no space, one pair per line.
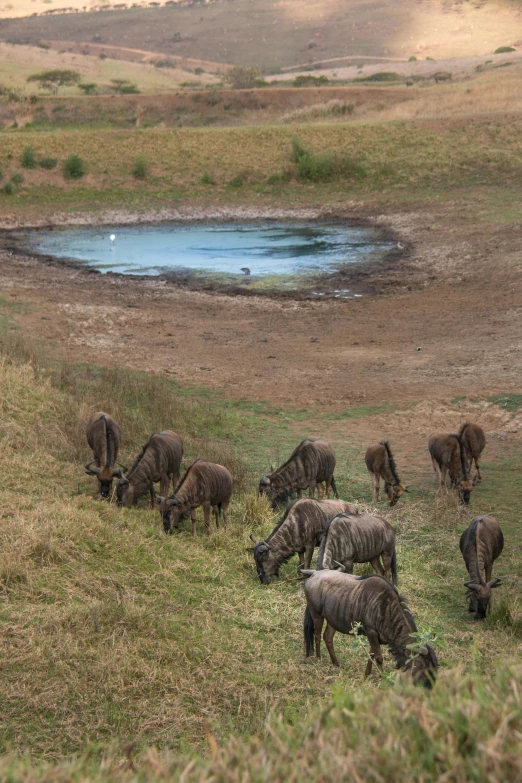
(208,179)
(320,111)
(73,167)
(310,81)
(323,166)
(17,178)
(380,76)
(242,78)
(29,159)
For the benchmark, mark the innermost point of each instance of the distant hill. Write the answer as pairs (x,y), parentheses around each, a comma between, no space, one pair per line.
(290,32)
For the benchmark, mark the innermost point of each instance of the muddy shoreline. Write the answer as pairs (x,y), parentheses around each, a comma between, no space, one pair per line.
(368,278)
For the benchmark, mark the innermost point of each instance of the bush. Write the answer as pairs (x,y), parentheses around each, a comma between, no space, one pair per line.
(323,166)
(29,159)
(278,178)
(8,189)
(241,78)
(309,81)
(412,59)
(129,89)
(140,168)
(17,178)
(236,181)
(504,50)
(207,179)
(48,163)
(73,167)
(380,76)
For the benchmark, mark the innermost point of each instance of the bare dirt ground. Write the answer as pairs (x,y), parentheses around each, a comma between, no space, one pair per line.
(457,298)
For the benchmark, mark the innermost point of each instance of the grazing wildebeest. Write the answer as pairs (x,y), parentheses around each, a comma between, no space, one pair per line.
(381,464)
(442,76)
(299,531)
(359,538)
(447,456)
(311,463)
(159,460)
(204,484)
(343,600)
(481,543)
(104,438)
(474,441)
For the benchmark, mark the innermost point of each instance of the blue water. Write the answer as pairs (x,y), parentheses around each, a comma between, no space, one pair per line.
(265,248)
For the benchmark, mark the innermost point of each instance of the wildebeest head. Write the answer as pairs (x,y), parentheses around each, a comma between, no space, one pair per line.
(104,475)
(464,488)
(276,495)
(394,492)
(267,563)
(125,493)
(172,511)
(479,596)
(423,667)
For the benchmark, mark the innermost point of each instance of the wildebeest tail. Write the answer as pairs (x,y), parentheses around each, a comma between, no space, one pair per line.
(334,487)
(309,632)
(394,567)
(391,461)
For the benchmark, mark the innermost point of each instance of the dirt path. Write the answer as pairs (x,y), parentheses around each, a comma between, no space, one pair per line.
(464,313)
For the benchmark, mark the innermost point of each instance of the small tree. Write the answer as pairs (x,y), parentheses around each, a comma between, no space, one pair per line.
(28,158)
(87,88)
(73,167)
(241,78)
(58,78)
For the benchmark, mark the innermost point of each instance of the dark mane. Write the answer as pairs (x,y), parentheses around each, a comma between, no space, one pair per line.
(292,455)
(461,431)
(278,525)
(391,461)
(141,454)
(108,453)
(180,483)
(462,458)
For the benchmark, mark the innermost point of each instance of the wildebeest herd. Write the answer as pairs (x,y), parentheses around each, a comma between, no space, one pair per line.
(369,604)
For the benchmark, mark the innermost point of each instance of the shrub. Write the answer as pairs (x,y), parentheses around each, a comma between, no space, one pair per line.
(309,81)
(242,78)
(412,59)
(323,166)
(17,178)
(48,163)
(29,159)
(278,178)
(504,50)
(129,89)
(140,168)
(207,179)
(380,76)
(8,189)
(73,167)
(236,181)
(88,87)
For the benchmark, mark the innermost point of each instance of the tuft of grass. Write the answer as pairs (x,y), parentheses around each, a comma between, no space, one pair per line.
(48,163)
(208,179)
(8,189)
(237,181)
(17,178)
(28,160)
(140,169)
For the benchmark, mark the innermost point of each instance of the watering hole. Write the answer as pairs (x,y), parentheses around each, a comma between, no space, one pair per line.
(275,254)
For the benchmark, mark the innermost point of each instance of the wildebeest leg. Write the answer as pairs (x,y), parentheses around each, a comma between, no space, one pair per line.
(308,554)
(477,465)
(386,561)
(376,485)
(311,489)
(328,487)
(318,627)
(442,478)
(299,494)
(377,566)
(224,512)
(193,521)
(164,485)
(320,491)
(206,515)
(375,651)
(328,637)
(215,510)
(489,569)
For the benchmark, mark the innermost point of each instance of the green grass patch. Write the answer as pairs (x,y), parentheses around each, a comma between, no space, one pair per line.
(510,402)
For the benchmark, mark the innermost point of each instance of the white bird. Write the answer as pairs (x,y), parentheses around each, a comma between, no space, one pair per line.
(112,238)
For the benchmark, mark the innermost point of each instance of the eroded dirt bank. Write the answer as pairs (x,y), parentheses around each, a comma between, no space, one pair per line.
(458,298)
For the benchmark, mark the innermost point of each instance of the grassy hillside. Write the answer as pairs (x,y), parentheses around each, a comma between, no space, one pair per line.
(114,632)
(361,158)
(291,32)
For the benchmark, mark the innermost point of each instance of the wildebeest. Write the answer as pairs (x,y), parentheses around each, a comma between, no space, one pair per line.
(474,441)
(159,460)
(381,464)
(204,484)
(104,438)
(299,531)
(359,538)
(311,463)
(343,600)
(481,543)
(442,76)
(447,456)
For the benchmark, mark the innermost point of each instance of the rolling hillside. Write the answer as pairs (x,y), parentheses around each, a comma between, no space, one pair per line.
(287,33)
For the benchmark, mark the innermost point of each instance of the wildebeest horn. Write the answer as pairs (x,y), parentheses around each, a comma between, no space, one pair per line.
(407,487)
(341,567)
(495,582)
(472,586)
(308,571)
(92,471)
(173,501)
(159,498)
(118,473)
(253,539)
(265,481)
(124,480)
(123,467)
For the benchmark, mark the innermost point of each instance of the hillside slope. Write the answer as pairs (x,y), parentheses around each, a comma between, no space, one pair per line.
(259,32)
